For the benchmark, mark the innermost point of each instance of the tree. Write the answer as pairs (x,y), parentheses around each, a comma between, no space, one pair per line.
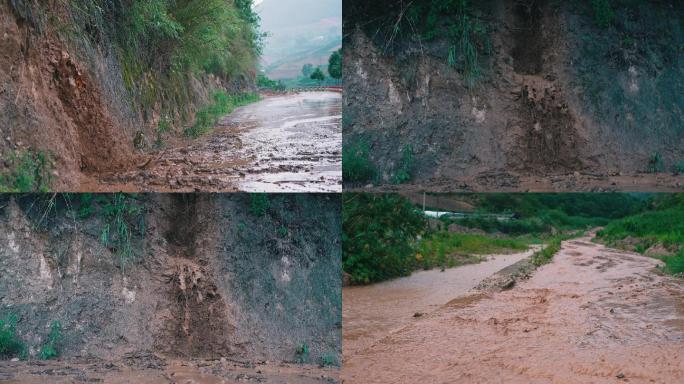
(335,65)
(318,75)
(307,70)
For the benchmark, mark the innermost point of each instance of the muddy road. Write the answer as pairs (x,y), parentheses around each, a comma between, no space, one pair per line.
(152,369)
(286,143)
(371,312)
(511,182)
(592,315)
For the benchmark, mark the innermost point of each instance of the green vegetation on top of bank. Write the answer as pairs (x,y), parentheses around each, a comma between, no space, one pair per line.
(386,235)
(658,232)
(161,48)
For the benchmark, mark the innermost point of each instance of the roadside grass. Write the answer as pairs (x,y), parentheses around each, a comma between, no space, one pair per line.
(546,254)
(658,227)
(28,172)
(448,250)
(223,104)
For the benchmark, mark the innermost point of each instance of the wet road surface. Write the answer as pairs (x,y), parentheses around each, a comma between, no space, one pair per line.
(286,143)
(592,315)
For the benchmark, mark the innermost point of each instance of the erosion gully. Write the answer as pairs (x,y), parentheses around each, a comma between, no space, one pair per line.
(592,315)
(284,143)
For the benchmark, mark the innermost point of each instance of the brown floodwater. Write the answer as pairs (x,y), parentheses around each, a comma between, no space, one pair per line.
(371,312)
(160,371)
(285,143)
(592,315)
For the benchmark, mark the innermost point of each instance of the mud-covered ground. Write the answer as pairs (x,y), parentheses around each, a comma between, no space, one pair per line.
(371,312)
(594,314)
(147,368)
(287,143)
(512,182)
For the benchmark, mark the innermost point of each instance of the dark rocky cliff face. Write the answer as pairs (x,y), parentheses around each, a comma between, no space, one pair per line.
(208,278)
(556,93)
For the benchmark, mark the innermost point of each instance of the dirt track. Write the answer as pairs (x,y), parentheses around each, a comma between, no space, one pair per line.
(152,369)
(593,315)
(287,143)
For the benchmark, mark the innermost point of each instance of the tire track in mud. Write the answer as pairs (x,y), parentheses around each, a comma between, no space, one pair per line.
(593,314)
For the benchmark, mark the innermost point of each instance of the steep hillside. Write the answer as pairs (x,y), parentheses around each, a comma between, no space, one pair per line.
(243,277)
(88,85)
(485,94)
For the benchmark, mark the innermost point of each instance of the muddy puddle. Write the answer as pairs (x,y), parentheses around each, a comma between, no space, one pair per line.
(155,370)
(287,143)
(593,315)
(373,311)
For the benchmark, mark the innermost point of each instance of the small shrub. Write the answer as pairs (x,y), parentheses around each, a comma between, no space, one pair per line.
(282,231)
(678,169)
(403,173)
(50,349)
(603,14)
(302,353)
(259,204)
(121,214)
(356,165)
(329,359)
(655,163)
(10,344)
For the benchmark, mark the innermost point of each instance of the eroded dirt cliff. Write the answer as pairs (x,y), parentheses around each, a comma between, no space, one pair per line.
(555,96)
(207,277)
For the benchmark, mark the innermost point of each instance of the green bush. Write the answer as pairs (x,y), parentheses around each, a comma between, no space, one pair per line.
(28,172)
(655,163)
(50,349)
(10,344)
(603,14)
(259,204)
(379,235)
(356,165)
(403,173)
(121,215)
(302,353)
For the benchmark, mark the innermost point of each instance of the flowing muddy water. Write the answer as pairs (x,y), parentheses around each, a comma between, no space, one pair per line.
(286,143)
(155,370)
(593,315)
(373,311)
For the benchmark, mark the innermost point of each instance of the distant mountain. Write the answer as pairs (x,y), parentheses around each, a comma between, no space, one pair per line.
(300,32)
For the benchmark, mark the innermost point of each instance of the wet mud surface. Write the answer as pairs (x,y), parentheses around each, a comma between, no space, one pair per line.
(289,143)
(576,181)
(151,369)
(371,312)
(593,315)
